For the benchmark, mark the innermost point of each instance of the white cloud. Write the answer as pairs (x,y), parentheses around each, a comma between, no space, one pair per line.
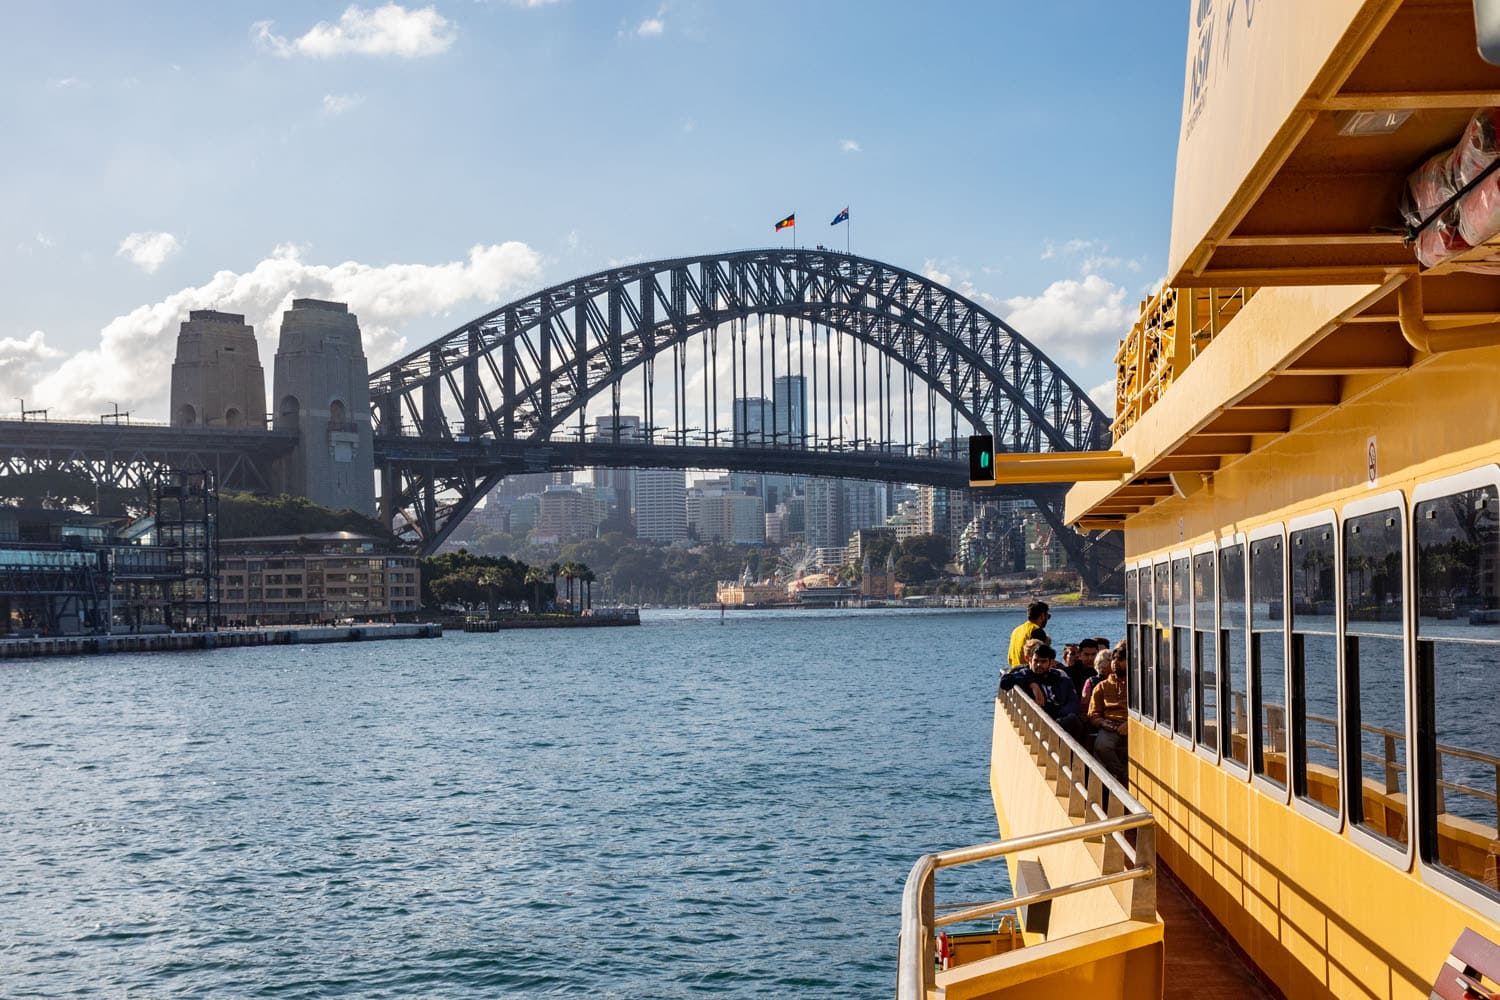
(533,4)
(148,251)
(850,146)
(65,83)
(651,27)
(132,363)
(1076,321)
(1069,249)
(1103,396)
(388,30)
(337,104)
(22,362)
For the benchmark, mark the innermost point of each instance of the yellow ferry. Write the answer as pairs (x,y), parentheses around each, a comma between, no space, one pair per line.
(1306,468)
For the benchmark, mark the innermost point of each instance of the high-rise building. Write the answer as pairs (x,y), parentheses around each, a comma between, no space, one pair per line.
(620,482)
(751,424)
(569,512)
(660,505)
(731,517)
(864,505)
(789,406)
(823,504)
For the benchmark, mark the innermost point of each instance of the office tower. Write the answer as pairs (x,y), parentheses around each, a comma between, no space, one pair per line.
(660,505)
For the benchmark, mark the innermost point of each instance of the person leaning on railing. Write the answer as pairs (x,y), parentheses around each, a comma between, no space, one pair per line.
(1049,687)
(1108,712)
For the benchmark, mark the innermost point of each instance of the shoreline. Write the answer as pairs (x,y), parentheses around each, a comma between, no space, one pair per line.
(164,642)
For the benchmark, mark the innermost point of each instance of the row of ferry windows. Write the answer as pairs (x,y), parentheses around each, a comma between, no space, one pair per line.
(1243,650)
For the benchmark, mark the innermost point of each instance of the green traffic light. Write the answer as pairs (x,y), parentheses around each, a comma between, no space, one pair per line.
(984,460)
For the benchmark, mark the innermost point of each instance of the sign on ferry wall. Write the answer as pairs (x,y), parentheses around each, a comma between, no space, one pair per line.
(1249,64)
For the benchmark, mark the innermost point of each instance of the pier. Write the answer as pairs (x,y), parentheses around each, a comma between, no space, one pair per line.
(161,642)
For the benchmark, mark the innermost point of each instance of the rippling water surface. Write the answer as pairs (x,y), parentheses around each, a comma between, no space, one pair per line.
(684,808)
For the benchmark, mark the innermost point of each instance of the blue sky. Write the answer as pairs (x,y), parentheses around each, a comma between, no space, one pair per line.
(430,162)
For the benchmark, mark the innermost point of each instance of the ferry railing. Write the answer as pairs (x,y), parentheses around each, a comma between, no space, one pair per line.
(1095,796)
(1392,764)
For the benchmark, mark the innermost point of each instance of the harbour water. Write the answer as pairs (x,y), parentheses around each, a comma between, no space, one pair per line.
(691,807)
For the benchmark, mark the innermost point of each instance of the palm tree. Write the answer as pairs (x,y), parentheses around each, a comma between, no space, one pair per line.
(555,569)
(570,573)
(534,577)
(588,580)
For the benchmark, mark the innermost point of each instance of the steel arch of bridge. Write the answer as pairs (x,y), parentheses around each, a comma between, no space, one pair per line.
(516,377)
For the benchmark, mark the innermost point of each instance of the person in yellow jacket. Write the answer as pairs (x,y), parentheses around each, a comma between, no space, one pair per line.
(1032,628)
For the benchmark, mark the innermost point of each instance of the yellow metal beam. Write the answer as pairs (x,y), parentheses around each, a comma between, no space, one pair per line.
(1057,467)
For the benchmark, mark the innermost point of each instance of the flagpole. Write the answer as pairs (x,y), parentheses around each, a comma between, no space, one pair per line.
(848,225)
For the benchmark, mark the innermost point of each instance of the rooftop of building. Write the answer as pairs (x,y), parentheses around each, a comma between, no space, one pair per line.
(213,315)
(323,304)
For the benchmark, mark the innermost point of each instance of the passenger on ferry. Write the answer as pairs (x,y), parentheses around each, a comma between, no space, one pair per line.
(1032,628)
(1049,687)
(1101,669)
(1081,670)
(1108,712)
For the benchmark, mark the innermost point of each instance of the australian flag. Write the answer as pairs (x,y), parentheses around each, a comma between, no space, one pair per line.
(841,217)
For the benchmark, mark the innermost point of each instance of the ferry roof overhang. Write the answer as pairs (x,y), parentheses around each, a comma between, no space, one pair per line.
(1290,357)
(1301,123)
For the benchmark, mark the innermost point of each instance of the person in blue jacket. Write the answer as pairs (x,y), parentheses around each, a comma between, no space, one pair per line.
(1050,687)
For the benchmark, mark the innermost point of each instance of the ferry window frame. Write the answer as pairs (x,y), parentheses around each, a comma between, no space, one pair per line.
(1227,759)
(1161,568)
(1181,643)
(1132,638)
(1280,791)
(1205,633)
(1378,846)
(1420,704)
(1148,650)
(1296,735)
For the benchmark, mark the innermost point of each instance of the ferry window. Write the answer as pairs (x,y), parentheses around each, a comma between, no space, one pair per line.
(1205,649)
(1374,658)
(1182,677)
(1458,638)
(1163,642)
(1132,637)
(1232,654)
(1148,646)
(1268,659)
(1315,675)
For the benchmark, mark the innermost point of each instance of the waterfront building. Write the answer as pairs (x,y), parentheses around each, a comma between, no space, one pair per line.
(63,572)
(313,578)
(322,392)
(907,521)
(217,379)
(661,505)
(864,505)
(530,482)
(742,592)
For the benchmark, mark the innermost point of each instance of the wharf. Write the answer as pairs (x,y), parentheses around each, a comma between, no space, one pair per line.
(624,616)
(157,642)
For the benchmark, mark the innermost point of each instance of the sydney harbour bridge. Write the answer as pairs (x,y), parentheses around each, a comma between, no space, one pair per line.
(893,371)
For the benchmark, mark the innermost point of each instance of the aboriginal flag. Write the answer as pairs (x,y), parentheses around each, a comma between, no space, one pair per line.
(787,223)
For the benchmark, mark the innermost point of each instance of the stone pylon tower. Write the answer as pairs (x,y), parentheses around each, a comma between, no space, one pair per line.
(322,391)
(217,380)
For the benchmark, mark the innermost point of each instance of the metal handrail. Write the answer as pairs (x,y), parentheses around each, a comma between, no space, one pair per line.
(1109,811)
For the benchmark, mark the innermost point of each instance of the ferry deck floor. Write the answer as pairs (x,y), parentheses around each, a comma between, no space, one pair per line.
(1200,959)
